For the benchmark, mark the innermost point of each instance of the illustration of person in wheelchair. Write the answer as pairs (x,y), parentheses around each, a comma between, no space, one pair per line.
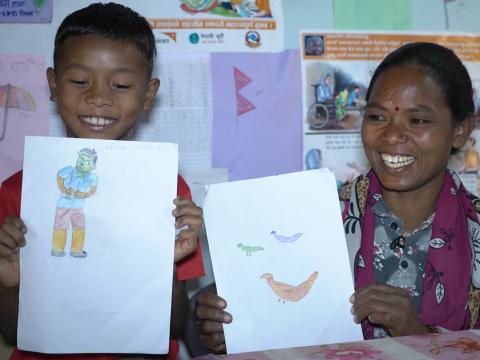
(324,106)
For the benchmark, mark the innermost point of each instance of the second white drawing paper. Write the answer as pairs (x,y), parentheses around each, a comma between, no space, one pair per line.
(280,260)
(113,294)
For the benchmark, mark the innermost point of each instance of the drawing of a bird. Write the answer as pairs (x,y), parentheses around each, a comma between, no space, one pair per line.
(290,292)
(249,249)
(286,239)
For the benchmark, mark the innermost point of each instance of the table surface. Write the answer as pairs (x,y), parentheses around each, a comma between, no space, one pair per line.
(458,345)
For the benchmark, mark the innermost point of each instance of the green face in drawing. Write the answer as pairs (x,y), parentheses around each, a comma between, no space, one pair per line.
(85,163)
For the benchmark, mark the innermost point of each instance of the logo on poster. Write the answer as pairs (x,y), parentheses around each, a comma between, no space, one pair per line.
(194,38)
(166,37)
(252,39)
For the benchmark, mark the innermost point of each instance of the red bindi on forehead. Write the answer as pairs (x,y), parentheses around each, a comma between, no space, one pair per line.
(397,108)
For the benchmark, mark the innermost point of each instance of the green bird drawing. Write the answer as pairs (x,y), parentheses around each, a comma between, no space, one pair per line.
(249,249)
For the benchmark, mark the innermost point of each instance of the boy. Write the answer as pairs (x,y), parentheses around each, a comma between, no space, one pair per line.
(101,82)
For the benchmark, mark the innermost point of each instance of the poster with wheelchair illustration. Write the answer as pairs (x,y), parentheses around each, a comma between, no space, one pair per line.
(99,246)
(336,71)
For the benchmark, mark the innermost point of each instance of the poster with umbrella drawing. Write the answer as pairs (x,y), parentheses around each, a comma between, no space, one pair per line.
(14,97)
(23,107)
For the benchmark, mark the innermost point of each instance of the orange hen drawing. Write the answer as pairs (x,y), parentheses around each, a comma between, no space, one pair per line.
(289,292)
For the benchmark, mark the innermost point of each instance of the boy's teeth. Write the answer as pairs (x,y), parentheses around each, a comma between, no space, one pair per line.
(97,121)
(396,161)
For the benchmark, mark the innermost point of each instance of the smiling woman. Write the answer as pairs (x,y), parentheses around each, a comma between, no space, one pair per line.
(412,248)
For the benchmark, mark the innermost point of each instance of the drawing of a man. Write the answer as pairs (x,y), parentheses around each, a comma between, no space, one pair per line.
(76,183)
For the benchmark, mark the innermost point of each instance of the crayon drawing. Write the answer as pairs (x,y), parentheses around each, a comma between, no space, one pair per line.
(286,239)
(295,218)
(76,183)
(286,292)
(249,249)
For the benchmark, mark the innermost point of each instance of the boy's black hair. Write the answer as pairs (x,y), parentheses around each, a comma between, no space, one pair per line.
(440,63)
(112,21)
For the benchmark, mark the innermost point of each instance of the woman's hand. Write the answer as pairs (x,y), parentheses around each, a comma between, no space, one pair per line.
(387,306)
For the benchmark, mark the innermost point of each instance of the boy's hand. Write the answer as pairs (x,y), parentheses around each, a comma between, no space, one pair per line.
(189,217)
(209,316)
(12,237)
(387,306)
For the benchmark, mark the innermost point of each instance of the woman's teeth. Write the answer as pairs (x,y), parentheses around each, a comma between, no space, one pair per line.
(97,121)
(396,161)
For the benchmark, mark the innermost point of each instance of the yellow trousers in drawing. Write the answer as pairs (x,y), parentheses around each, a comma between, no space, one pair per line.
(63,218)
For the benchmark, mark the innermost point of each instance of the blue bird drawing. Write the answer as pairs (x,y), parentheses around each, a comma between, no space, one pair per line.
(286,239)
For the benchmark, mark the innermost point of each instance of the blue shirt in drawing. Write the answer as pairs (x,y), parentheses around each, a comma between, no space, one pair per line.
(76,181)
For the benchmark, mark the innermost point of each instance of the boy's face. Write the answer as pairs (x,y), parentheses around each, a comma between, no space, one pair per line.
(101,87)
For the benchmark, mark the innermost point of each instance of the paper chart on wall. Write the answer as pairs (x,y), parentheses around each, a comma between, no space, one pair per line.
(280,260)
(183,110)
(97,267)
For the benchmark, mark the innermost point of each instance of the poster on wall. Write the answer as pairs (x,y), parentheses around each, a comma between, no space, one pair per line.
(336,71)
(23,106)
(26,11)
(218,25)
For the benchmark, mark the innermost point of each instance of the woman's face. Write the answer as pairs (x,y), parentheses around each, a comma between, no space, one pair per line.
(408,131)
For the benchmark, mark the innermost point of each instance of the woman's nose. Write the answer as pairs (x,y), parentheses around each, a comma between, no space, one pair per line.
(395,133)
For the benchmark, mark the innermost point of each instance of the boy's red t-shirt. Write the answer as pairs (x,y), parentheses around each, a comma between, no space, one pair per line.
(189,268)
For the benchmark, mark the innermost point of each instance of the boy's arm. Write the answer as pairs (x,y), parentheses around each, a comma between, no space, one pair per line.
(9,314)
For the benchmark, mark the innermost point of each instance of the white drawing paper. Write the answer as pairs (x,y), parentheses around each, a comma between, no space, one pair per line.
(280,260)
(96,272)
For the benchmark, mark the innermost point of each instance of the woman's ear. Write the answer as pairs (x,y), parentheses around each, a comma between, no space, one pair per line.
(463,131)
(152,89)
(52,83)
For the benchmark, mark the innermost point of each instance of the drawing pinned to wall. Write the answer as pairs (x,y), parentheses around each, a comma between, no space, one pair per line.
(286,239)
(242,80)
(76,183)
(14,97)
(249,250)
(23,106)
(286,292)
(245,143)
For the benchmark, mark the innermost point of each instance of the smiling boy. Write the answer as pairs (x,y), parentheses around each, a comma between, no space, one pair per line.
(101,82)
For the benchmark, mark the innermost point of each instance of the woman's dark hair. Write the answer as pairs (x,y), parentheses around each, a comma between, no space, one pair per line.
(112,21)
(442,65)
